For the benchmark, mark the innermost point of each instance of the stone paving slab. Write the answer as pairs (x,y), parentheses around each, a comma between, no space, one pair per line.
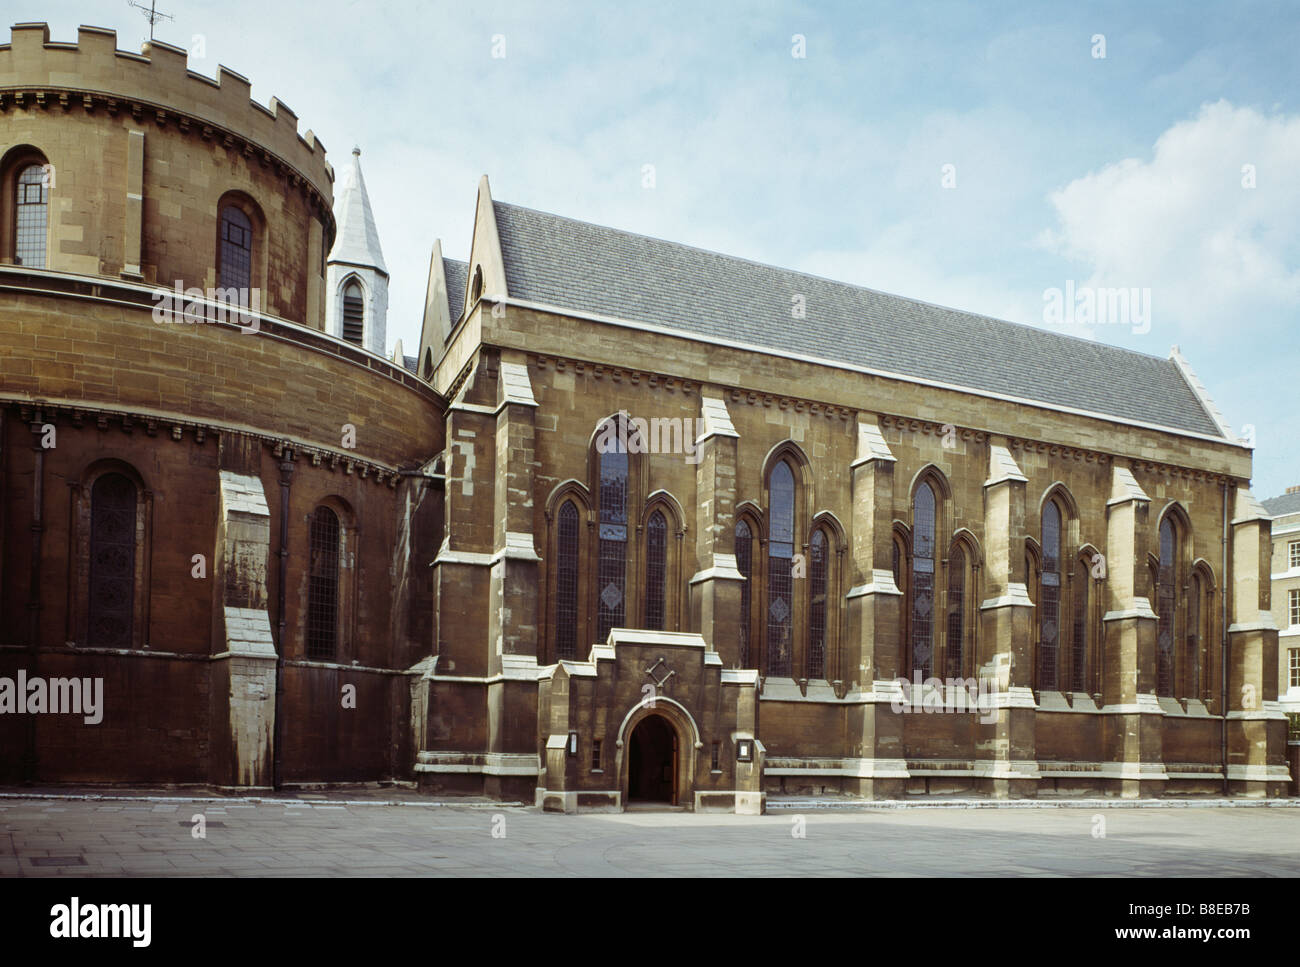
(93,837)
(168,799)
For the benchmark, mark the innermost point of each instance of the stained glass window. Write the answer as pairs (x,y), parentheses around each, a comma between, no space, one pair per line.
(656,552)
(956,611)
(1193,653)
(744,564)
(566,583)
(323,585)
(1165,610)
(1049,603)
(922,583)
(818,566)
(112,560)
(611,566)
(780,582)
(1079,664)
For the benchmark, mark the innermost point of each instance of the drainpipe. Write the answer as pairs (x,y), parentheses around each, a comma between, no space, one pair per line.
(1223,644)
(34,591)
(286,476)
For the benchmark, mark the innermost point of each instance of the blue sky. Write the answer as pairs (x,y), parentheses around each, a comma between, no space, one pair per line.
(1122,171)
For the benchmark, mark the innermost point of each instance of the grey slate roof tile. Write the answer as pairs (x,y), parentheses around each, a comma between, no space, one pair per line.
(457,274)
(1282,505)
(590,268)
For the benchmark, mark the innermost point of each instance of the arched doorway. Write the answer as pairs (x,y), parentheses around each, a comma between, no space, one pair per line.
(652,762)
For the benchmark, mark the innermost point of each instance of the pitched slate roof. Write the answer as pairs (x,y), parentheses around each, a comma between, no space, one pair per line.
(1283,505)
(357,239)
(589,268)
(457,275)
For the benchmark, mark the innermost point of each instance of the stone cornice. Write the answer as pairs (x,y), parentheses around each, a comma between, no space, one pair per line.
(797,405)
(930,427)
(615,374)
(1081,455)
(149,423)
(135,295)
(887,421)
(1077,454)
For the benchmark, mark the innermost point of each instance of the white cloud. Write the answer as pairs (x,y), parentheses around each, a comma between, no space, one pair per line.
(1215,254)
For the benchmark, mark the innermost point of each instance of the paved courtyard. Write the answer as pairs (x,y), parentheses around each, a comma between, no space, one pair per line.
(331,835)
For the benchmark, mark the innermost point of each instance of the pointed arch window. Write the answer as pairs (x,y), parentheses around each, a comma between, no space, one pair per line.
(1192,655)
(236,253)
(354,313)
(112,560)
(1079,672)
(656,553)
(566,583)
(902,572)
(922,581)
(611,566)
(956,638)
(323,585)
(31,215)
(818,569)
(745,565)
(1049,600)
(780,579)
(1165,596)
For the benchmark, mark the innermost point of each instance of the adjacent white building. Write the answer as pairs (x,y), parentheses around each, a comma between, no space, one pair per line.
(1285,511)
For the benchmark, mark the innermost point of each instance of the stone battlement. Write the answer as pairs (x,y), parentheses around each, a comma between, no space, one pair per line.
(158,83)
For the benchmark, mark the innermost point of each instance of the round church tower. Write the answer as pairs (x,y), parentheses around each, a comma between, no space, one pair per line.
(201,489)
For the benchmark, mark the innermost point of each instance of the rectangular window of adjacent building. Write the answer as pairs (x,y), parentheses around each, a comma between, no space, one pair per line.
(1293,602)
(1293,554)
(1293,679)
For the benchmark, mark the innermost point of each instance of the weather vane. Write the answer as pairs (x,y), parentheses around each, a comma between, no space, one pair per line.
(151,14)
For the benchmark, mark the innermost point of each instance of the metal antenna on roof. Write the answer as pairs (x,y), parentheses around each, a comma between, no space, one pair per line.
(151,14)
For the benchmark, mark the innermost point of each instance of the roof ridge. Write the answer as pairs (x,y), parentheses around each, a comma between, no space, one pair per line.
(848,285)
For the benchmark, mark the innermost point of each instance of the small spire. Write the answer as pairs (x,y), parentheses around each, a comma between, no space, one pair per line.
(357,239)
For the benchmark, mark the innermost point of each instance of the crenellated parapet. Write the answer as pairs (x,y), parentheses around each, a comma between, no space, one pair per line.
(93,75)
